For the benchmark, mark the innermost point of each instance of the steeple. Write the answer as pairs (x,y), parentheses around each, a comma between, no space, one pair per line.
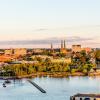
(52,50)
(61,44)
(64,44)
(51,46)
(63,47)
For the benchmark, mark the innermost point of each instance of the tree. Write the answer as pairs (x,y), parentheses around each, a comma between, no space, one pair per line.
(97,56)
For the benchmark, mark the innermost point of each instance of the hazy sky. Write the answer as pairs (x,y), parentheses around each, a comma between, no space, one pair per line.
(50,19)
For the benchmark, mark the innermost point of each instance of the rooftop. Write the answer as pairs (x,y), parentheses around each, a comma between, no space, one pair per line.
(87,95)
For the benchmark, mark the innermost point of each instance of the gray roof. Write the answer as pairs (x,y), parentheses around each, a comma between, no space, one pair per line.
(87,95)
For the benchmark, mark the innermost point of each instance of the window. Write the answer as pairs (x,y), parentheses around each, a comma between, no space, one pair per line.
(80,98)
(73,98)
(87,99)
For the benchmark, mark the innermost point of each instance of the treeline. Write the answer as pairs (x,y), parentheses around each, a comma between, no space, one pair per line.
(46,66)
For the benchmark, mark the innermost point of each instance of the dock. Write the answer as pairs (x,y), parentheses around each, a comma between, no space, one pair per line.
(38,87)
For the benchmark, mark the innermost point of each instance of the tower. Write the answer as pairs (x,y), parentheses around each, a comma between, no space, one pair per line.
(61,44)
(51,46)
(64,44)
(63,47)
(52,50)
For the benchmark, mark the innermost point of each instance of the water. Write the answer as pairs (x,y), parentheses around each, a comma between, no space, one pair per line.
(56,88)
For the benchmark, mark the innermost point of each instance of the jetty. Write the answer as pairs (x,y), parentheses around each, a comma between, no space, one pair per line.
(38,87)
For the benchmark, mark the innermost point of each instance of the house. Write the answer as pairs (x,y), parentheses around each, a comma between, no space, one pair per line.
(85,97)
(87,49)
(76,48)
(5,58)
(8,52)
(61,60)
(20,51)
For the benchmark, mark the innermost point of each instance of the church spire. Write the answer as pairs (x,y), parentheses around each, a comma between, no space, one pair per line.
(61,44)
(51,46)
(52,50)
(64,44)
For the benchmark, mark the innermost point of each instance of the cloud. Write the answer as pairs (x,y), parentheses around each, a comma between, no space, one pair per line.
(70,39)
(41,29)
(68,27)
(45,43)
(54,40)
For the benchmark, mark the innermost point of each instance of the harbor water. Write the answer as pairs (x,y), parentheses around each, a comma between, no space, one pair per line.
(56,88)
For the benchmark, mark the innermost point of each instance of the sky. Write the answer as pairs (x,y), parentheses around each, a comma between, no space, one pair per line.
(37,23)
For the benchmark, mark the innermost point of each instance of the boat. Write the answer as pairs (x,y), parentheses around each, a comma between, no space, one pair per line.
(7,82)
(85,97)
(4,85)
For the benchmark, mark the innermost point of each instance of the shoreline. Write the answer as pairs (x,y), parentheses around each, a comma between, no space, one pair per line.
(53,75)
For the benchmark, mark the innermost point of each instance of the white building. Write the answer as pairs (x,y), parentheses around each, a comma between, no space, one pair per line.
(76,48)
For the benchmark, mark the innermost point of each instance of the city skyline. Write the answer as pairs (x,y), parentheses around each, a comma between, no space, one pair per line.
(49,20)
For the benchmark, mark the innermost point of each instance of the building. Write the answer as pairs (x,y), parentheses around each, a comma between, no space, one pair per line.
(63,60)
(9,52)
(2,52)
(6,58)
(42,57)
(85,97)
(20,51)
(38,51)
(87,49)
(76,48)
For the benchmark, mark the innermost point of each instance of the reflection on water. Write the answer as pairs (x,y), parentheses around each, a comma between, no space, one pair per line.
(57,88)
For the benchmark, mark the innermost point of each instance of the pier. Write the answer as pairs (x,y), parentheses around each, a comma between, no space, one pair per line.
(38,87)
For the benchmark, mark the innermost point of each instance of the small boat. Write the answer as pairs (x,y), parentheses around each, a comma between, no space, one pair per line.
(7,82)
(4,85)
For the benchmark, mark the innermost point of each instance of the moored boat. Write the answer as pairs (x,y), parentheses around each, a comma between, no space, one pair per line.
(7,82)
(4,85)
